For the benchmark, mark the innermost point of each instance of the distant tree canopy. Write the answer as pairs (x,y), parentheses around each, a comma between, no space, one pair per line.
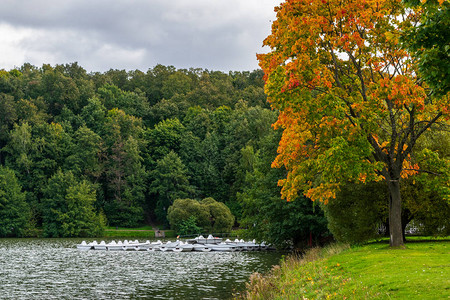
(78,147)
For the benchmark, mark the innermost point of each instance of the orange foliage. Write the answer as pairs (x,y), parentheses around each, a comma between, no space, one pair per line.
(346,91)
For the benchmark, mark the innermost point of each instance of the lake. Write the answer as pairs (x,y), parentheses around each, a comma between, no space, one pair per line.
(55,269)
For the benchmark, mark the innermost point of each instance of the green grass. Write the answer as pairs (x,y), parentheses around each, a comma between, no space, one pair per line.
(137,232)
(146,227)
(420,271)
(373,271)
(129,234)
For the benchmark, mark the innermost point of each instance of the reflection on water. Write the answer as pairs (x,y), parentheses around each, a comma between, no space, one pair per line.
(55,269)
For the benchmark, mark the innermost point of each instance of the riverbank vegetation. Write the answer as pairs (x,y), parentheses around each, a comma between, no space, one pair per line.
(371,271)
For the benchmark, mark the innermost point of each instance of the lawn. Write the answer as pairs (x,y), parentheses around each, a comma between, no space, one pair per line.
(372,271)
(420,271)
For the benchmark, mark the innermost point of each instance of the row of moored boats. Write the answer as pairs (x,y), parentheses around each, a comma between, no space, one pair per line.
(198,244)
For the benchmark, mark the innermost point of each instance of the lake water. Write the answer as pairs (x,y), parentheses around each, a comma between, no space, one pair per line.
(55,269)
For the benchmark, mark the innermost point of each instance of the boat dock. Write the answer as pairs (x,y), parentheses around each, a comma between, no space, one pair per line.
(200,244)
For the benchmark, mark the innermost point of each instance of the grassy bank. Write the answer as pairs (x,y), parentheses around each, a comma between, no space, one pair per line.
(145,232)
(373,271)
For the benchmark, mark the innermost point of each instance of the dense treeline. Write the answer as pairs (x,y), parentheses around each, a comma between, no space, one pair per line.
(82,150)
(126,143)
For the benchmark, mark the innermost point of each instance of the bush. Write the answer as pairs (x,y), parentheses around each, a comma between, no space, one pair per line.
(183,209)
(220,216)
(207,215)
(189,226)
(356,211)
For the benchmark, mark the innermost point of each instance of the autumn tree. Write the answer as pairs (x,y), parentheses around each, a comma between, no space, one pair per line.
(351,104)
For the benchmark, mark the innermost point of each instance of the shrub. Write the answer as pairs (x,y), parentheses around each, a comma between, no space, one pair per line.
(207,215)
(356,211)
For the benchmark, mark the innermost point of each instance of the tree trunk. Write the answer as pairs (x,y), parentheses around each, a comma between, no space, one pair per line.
(395,213)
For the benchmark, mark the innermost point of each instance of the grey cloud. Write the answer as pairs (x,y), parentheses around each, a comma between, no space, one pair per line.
(213,34)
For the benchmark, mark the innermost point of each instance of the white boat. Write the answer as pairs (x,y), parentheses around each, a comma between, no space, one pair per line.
(183,247)
(202,240)
(145,246)
(113,246)
(201,248)
(222,247)
(135,245)
(236,244)
(154,246)
(169,246)
(197,244)
(249,246)
(84,246)
(264,246)
(101,246)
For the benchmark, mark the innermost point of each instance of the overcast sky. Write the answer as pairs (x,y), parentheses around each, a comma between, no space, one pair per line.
(135,34)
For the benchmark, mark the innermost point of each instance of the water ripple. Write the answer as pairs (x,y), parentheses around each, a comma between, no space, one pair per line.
(55,269)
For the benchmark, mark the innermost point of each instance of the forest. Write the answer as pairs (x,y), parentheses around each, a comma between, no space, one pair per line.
(80,151)
(83,150)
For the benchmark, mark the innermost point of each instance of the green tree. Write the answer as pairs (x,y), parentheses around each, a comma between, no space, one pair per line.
(169,181)
(86,154)
(67,207)
(32,111)
(131,103)
(80,218)
(189,226)
(220,217)
(165,137)
(59,90)
(125,175)
(8,116)
(164,109)
(202,159)
(265,215)
(155,82)
(207,214)
(14,211)
(20,148)
(176,83)
(426,208)
(429,43)
(359,209)
(186,210)
(94,115)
